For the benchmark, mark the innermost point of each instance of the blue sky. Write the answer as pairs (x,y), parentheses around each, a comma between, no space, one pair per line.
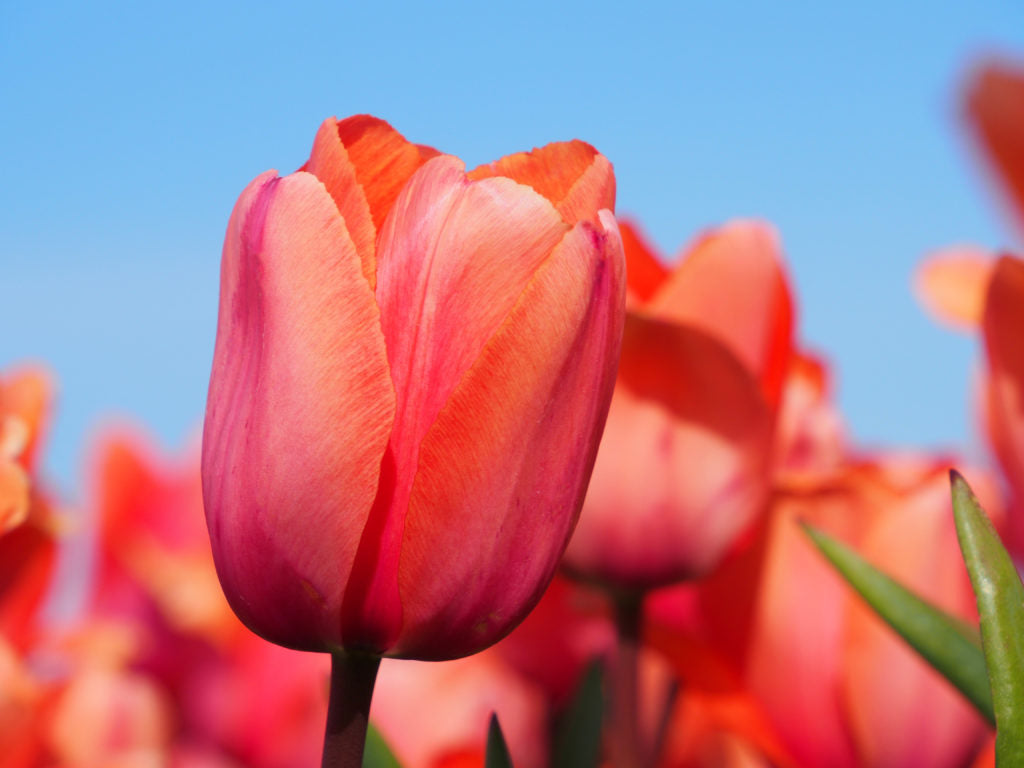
(130,128)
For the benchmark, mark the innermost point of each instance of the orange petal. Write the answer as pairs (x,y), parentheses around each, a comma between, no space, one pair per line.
(572,175)
(462,696)
(682,467)
(329,162)
(796,653)
(503,470)
(732,284)
(809,433)
(384,160)
(644,271)
(995,111)
(454,257)
(14,495)
(299,411)
(951,285)
(1004,317)
(901,712)
(26,393)
(27,556)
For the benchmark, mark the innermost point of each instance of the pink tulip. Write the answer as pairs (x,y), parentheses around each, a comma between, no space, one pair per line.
(837,686)
(684,462)
(412,369)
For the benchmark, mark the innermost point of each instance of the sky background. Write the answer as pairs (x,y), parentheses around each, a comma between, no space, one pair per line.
(129,129)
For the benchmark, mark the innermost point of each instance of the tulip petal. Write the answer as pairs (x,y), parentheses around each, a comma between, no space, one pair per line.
(796,649)
(644,272)
(14,495)
(524,423)
(995,110)
(454,258)
(27,558)
(576,178)
(900,710)
(330,163)
(384,160)
(732,284)
(299,410)
(26,394)
(952,283)
(364,163)
(685,451)
(1004,317)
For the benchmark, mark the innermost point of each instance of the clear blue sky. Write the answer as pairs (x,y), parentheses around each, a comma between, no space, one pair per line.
(129,129)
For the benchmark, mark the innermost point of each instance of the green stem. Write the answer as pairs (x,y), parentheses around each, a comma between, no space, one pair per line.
(625,742)
(348,713)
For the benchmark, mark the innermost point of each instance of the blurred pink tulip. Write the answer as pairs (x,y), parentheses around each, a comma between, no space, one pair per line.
(411,374)
(837,687)
(432,713)
(684,465)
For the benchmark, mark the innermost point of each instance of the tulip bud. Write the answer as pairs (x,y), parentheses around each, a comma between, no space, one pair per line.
(412,370)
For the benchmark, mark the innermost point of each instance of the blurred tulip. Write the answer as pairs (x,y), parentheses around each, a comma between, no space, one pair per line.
(684,463)
(24,402)
(838,687)
(236,698)
(431,714)
(570,627)
(995,113)
(1004,385)
(411,374)
(952,283)
(106,714)
(810,436)
(154,563)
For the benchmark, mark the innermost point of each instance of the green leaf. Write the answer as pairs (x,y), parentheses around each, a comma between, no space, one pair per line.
(578,743)
(1000,597)
(377,753)
(497,750)
(950,645)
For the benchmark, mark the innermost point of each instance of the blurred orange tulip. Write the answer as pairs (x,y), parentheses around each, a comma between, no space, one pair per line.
(684,465)
(837,686)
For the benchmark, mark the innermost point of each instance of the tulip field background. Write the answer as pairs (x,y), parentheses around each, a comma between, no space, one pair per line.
(466,423)
(130,128)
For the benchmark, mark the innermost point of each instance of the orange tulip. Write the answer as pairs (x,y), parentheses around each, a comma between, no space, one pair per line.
(412,369)
(684,462)
(838,688)
(995,114)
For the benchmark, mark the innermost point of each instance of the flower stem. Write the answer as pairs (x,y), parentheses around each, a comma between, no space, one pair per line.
(348,713)
(625,742)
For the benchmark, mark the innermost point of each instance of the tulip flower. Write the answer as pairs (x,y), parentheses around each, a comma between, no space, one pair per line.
(684,462)
(995,114)
(430,713)
(412,370)
(684,465)
(837,686)
(975,288)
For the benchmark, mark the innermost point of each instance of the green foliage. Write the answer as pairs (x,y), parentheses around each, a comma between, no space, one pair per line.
(578,741)
(947,643)
(497,750)
(377,753)
(1000,597)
